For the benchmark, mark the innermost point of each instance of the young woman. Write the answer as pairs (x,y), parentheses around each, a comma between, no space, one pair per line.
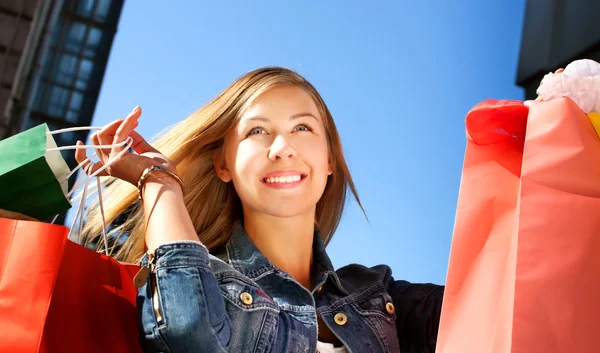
(238,202)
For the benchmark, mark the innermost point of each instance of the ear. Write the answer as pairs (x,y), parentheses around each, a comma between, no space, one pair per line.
(329,167)
(221,166)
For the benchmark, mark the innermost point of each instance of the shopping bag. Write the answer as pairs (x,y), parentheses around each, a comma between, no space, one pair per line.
(32,172)
(524,266)
(57,296)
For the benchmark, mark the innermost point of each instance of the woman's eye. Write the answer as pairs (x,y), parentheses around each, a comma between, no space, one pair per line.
(302,128)
(256,131)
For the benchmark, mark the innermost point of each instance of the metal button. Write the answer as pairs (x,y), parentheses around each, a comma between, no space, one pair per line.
(390,308)
(246,298)
(320,289)
(340,319)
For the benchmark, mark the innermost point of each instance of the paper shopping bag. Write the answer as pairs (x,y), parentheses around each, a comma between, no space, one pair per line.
(524,264)
(57,296)
(31,176)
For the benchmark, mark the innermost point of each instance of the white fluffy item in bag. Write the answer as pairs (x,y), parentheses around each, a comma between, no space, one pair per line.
(580,81)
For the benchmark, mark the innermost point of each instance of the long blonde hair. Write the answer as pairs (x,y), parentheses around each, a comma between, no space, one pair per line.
(213,205)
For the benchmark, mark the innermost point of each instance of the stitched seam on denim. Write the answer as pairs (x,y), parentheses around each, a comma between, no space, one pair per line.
(391,318)
(181,264)
(183,244)
(382,313)
(236,276)
(245,308)
(267,272)
(291,308)
(262,304)
(355,297)
(257,345)
(239,279)
(212,258)
(337,281)
(270,339)
(366,292)
(259,272)
(188,249)
(175,242)
(231,277)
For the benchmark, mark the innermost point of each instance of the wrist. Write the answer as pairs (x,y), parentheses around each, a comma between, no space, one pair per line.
(159,185)
(159,175)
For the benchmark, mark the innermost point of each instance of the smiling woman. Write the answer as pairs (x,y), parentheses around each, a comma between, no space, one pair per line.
(234,253)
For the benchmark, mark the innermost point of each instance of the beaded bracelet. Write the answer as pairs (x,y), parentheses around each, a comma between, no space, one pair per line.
(147,172)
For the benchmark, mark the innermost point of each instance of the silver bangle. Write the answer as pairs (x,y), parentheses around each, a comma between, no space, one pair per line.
(160,168)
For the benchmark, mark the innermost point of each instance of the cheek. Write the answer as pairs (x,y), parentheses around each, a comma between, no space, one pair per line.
(245,160)
(317,154)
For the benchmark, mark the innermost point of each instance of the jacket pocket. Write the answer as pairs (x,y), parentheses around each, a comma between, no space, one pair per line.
(244,293)
(253,314)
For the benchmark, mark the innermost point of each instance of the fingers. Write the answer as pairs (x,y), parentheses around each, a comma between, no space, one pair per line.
(107,133)
(115,132)
(81,156)
(105,137)
(125,129)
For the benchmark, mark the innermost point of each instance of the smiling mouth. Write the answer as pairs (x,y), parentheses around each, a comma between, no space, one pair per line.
(284,179)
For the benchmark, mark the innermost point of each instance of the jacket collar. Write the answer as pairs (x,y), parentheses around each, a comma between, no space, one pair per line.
(245,257)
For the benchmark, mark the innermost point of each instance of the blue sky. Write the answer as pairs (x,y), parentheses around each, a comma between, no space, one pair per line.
(398,77)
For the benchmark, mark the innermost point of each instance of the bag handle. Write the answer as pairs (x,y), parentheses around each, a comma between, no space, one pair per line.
(84,196)
(79,216)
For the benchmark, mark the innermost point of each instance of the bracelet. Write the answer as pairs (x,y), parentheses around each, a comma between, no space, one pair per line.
(147,172)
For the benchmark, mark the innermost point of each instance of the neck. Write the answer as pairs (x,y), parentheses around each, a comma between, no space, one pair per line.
(286,242)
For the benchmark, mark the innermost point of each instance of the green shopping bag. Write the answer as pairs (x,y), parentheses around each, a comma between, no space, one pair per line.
(33,179)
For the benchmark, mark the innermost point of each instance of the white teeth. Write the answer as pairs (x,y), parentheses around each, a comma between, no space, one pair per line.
(284,179)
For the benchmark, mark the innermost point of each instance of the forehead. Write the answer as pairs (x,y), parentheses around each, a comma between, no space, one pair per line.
(281,102)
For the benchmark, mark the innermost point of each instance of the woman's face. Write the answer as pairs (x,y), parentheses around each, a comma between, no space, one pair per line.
(277,157)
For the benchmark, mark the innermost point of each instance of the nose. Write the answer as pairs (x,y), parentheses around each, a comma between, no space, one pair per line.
(281,149)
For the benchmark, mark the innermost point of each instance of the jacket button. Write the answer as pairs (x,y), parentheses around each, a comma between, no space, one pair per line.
(390,308)
(320,289)
(340,319)
(246,298)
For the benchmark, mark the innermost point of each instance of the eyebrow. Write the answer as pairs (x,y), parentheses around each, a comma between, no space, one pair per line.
(293,117)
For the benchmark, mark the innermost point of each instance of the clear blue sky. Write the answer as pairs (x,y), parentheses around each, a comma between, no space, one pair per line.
(398,77)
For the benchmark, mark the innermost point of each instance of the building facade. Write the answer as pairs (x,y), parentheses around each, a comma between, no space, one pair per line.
(555,33)
(53,56)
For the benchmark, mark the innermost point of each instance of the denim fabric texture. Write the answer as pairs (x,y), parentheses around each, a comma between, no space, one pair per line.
(237,301)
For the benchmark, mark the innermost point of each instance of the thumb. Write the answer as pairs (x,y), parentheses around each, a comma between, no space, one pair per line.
(140,145)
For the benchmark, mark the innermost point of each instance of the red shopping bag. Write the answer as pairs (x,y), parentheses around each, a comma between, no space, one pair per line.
(57,296)
(524,262)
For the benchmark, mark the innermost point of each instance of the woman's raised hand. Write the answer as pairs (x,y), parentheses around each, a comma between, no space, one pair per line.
(128,166)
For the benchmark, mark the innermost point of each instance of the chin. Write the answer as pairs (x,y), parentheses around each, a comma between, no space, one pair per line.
(284,212)
(285,208)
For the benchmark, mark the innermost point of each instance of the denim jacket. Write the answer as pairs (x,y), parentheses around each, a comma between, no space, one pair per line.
(237,301)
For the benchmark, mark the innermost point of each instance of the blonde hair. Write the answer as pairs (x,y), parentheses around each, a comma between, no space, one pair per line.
(213,205)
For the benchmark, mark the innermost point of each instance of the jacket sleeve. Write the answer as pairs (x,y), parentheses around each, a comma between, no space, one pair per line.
(418,308)
(180,307)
